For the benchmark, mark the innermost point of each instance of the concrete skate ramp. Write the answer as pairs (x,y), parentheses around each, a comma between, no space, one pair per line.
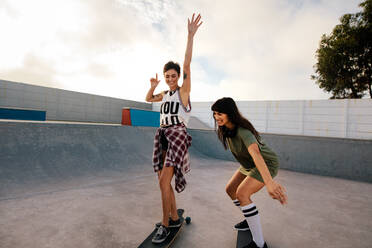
(35,154)
(74,185)
(32,154)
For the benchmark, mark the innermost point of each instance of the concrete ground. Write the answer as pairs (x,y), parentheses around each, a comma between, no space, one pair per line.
(120,209)
(93,186)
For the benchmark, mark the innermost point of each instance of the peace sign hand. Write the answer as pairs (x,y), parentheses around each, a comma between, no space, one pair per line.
(154,81)
(193,25)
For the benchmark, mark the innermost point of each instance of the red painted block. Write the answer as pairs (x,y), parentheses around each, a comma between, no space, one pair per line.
(125,117)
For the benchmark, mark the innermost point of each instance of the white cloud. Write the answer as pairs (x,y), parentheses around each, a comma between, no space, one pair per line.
(257,50)
(267,48)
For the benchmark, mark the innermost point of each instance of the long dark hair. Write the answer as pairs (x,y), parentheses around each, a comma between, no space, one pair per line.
(227,105)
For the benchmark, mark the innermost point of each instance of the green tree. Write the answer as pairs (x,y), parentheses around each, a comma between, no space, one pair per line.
(344,66)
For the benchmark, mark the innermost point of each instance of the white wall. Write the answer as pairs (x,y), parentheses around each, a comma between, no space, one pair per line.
(64,105)
(349,118)
(346,118)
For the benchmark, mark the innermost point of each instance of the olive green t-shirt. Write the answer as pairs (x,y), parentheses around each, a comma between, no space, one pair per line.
(239,147)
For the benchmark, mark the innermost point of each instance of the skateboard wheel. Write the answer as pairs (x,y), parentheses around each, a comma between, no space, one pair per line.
(188,220)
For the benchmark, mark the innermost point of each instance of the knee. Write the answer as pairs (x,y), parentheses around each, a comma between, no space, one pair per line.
(164,184)
(230,190)
(243,195)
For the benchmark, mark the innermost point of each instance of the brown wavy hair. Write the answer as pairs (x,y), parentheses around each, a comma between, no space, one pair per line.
(227,105)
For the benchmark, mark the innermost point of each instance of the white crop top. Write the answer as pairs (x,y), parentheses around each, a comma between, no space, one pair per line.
(172,110)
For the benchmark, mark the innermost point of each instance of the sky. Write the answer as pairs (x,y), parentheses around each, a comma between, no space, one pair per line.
(247,50)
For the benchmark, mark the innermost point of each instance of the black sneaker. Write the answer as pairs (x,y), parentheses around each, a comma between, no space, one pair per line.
(159,224)
(172,223)
(253,245)
(242,226)
(161,234)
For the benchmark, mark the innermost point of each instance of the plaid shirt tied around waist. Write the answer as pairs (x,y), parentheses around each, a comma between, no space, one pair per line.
(177,154)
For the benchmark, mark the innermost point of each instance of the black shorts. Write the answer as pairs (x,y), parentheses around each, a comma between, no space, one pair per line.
(163,141)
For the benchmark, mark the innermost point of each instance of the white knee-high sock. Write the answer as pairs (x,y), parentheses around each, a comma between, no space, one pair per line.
(253,218)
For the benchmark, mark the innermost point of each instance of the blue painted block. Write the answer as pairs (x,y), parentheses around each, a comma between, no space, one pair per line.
(144,118)
(22,114)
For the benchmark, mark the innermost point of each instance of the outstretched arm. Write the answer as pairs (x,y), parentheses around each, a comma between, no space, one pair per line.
(275,190)
(193,26)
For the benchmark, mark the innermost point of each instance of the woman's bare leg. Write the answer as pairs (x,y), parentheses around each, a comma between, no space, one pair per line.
(166,192)
(234,183)
(173,212)
(246,189)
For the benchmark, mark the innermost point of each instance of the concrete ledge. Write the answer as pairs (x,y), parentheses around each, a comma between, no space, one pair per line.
(335,157)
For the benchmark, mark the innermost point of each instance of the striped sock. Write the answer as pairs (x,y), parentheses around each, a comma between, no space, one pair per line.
(253,218)
(237,203)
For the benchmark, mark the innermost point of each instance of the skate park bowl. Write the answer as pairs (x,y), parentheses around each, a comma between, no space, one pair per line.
(93,185)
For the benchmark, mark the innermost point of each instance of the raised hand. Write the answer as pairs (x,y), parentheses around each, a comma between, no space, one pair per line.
(154,81)
(194,24)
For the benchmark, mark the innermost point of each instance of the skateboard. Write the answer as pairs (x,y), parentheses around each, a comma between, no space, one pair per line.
(147,243)
(243,239)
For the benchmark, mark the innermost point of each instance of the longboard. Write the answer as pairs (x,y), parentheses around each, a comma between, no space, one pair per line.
(147,243)
(243,238)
